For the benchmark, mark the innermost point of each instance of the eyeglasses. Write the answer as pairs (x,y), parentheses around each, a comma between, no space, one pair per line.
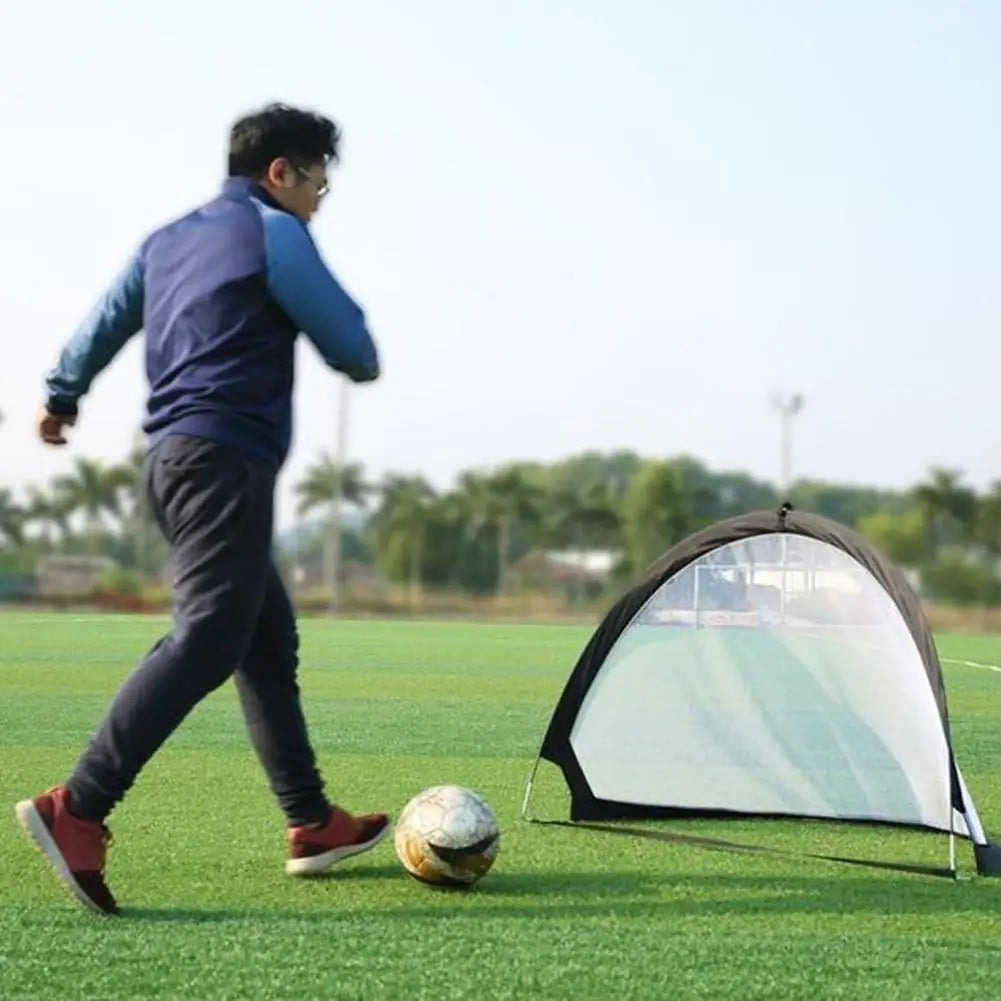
(321,187)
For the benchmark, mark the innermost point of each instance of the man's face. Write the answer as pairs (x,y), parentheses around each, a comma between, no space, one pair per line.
(299,189)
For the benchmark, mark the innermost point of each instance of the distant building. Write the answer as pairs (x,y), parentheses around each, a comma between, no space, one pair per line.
(587,569)
(65,575)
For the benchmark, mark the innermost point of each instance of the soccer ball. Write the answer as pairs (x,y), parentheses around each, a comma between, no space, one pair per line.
(447,836)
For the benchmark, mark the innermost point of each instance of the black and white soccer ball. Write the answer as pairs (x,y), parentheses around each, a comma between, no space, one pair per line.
(447,835)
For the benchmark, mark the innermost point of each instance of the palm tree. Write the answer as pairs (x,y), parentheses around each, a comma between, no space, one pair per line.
(50,512)
(949,509)
(326,483)
(473,500)
(657,512)
(136,520)
(512,496)
(11,518)
(457,518)
(988,520)
(592,518)
(401,525)
(94,489)
(501,499)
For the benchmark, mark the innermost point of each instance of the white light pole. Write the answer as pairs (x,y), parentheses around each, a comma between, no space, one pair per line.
(787,407)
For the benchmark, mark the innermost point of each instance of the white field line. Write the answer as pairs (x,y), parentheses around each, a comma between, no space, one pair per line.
(972,663)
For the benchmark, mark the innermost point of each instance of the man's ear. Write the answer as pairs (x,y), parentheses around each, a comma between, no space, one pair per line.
(278,173)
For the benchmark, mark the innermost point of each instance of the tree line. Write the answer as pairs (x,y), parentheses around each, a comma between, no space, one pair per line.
(471,535)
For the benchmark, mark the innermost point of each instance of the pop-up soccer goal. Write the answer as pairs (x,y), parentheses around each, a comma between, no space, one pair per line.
(772,665)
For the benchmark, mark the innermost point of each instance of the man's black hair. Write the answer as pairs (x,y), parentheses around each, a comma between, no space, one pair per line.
(302,137)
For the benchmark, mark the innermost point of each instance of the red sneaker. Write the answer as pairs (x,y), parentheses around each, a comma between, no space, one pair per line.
(313,850)
(75,848)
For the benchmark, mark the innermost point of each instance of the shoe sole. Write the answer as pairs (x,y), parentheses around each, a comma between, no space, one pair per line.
(314,865)
(35,828)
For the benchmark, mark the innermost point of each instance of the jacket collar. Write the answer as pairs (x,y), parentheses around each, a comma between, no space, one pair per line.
(244,187)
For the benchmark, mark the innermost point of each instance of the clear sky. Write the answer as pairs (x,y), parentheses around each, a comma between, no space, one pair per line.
(573,225)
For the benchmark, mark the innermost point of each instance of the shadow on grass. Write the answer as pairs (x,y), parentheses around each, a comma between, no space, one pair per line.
(653,896)
(496,887)
(353,875)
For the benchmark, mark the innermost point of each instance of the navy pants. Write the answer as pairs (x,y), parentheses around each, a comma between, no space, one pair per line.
(232,618)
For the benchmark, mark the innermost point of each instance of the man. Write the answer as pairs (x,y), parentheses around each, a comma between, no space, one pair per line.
(221,295)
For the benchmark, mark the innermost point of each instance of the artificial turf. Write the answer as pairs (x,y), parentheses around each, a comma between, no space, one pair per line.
(394,707)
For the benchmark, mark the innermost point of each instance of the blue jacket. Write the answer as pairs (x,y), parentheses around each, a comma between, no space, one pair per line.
(222,294)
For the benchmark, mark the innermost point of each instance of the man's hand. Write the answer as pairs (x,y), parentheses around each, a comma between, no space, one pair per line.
(50,426)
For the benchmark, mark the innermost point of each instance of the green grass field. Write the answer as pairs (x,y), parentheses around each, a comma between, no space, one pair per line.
(397,706)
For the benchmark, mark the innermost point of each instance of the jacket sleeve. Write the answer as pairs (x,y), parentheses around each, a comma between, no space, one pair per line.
(314,300)
(115,318)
